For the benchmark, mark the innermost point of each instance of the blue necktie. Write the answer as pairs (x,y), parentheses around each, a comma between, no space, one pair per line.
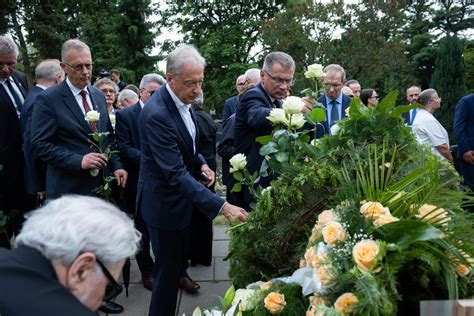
(334,113)
(413,114)
(15,95)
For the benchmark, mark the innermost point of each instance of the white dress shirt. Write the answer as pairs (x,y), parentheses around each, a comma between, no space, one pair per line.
(184,111)
(77,95)
(17,90)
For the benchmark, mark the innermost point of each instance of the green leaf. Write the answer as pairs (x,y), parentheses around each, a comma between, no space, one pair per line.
(388,102)
(96,137)
(404,233)
(263,140)
(316,115)
(268,149)
(282,157)
(237,187)
(238,176)
(397,112)
(229,296)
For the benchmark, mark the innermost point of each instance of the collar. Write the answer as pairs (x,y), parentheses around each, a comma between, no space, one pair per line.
(75,91)
(4,80)
(141,104)
(338,99)
(179,104)
(41,86)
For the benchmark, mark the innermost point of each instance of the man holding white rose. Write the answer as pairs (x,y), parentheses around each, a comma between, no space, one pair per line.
(277,76)
(60,132)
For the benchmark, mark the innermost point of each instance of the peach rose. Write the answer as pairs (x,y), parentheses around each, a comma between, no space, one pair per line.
(431,212)
(315,234)
(312,259)
(333,232)
(326,216)
(462,269)
(365,253)
(385,219)
(275,302)
(265,286)
(345,303)
(324,275)
(373,210)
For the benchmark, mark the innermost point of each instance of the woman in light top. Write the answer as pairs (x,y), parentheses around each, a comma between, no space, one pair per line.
(427,128)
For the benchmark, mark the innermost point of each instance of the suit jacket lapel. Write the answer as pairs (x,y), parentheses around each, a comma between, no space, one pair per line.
(71,103)
(4,95)
(182,130)
(18,83)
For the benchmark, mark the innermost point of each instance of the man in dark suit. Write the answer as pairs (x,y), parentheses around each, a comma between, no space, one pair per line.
(60,135)
(168,190)
(464,131)
(335,102)
(254,107)
(128,143)
(413,92)
(13,90)
(65,259)
(48,73)
(231,103)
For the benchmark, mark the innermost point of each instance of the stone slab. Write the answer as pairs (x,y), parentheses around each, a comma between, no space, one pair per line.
(206,297)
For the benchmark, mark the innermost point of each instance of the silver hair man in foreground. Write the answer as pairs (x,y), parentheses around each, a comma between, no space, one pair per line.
(69,255)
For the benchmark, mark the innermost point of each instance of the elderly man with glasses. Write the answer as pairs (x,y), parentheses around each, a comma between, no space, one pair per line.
(255,105)
(66,261)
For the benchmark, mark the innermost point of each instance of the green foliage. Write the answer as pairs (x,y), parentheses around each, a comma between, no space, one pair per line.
(469,62)
(448,79)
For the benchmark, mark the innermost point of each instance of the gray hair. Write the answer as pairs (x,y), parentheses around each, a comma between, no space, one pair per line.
(285,60)
(48,70)
(107,81)
(149,78)
(8,46)
(252,75)
(184,54)
(127,94)
(335,68)
(426,96)
(73,44)
(352,81)
(64,228)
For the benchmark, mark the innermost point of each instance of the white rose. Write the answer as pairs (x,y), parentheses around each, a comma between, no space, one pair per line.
(335,129)
(278,116)
(238,162)
(112,118)
(293,105)
(297,120)
(92,116)
(314,71)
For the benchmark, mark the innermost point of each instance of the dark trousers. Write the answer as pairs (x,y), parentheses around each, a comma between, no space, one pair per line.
(171,249)
(201,239)
(144,260)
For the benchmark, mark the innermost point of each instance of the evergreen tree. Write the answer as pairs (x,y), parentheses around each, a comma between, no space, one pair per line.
(448,79)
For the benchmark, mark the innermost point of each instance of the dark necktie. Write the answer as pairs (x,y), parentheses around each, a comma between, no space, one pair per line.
(334,113)
(87,108)
(413,114)
(277,104)
(15,95)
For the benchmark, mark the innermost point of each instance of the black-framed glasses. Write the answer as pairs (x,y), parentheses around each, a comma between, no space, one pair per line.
(105,91)
(79,67)
(374,97)
(113,288)
(278,80)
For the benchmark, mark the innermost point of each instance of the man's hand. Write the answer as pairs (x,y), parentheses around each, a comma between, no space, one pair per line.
(93,161)
(233,213)
(121,176)
(210,174)
(309,102)
(468,157)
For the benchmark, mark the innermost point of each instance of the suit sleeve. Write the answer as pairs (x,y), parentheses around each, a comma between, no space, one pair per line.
(43,133)
(112,142)
(124,143)
(460,126)
(255,111)
(163,144)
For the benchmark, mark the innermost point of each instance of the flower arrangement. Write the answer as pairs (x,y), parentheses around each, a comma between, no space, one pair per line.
(97,142)
(390,227)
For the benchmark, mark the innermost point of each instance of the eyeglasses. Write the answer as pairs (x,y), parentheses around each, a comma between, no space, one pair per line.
(242,83)
(113,288)
(108,90)
(375,97)
(278,80)
(333,85)
(79,67)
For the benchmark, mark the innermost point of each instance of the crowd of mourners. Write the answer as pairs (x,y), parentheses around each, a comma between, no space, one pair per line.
(162,159)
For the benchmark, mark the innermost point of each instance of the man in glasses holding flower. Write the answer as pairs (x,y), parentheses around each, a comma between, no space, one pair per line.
(66,261)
